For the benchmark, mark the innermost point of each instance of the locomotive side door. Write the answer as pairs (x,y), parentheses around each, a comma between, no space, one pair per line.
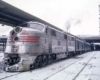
(49,43)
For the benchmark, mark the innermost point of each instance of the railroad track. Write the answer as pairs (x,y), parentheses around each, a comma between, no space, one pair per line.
(71,74)
(84,67)
(69,66)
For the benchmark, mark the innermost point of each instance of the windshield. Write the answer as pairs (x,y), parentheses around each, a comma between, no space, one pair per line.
(36,26)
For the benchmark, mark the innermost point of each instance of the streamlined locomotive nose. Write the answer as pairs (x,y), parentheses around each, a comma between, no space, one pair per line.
(22,44)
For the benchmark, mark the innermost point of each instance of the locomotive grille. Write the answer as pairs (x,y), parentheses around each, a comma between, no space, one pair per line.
(11,59)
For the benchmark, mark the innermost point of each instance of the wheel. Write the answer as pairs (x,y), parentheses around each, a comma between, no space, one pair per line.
(38,61)
(66,55)
(44,60)
(54,56)
(32,66)
(50,59)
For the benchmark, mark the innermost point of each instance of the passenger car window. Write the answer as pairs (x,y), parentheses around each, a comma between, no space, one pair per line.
(36,26)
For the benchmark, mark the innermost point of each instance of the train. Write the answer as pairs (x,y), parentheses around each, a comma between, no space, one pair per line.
(35,44)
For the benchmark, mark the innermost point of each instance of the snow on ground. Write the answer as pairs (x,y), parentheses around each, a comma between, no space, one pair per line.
(68,69)
(95,73)
(73,71)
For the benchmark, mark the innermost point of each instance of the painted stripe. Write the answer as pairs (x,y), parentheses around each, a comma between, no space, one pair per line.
(29,39)
(11,38)
(25,39)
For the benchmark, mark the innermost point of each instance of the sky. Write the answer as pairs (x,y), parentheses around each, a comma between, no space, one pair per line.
(79,17)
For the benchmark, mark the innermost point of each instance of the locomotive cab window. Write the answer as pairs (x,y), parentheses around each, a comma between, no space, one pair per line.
(36,26)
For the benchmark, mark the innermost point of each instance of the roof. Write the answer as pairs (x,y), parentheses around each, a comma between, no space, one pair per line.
(13,16)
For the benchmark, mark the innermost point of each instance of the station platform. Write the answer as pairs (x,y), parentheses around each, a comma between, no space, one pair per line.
(82,67)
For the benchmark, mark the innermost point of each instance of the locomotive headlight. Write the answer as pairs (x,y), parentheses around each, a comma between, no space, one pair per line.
(18,29)
(16,39)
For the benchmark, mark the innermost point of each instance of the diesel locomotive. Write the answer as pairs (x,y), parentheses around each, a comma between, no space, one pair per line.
(35,44)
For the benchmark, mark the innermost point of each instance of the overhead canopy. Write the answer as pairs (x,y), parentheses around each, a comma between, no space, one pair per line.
(92,39)
(13,16)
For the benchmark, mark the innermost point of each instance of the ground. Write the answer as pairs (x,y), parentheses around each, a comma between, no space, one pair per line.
(83,67)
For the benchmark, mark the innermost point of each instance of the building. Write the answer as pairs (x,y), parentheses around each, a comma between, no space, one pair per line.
(3,40)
